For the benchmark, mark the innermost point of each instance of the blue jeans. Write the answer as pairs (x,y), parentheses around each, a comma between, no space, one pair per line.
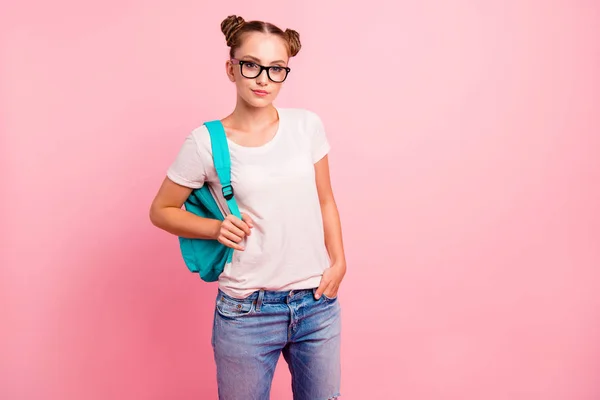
(250,334)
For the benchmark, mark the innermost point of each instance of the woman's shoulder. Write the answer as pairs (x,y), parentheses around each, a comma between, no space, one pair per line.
(199,138)
(302,116)
(300,113)
(200,132)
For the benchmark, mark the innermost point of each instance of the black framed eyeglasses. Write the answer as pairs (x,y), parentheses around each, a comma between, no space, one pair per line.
(252,70)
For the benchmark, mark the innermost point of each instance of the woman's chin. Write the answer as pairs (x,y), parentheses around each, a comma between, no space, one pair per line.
(258,103)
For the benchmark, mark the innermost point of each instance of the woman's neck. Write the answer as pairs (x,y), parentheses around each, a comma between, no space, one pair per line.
(250,119)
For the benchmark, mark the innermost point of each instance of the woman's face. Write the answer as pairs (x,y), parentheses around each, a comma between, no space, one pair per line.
(258,49)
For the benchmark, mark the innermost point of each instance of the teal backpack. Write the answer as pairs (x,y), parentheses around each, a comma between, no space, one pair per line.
(208,257)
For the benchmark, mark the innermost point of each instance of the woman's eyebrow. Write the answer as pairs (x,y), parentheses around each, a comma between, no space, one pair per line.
(251,58)
(258,60)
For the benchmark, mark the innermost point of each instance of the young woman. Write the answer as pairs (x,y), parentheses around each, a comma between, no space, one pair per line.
(279,293)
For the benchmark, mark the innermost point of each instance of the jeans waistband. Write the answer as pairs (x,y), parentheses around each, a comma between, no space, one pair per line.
(267,296)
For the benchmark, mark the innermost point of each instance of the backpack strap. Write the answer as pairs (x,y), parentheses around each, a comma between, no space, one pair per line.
(222,161)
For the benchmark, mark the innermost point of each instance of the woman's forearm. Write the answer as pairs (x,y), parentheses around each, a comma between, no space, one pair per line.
(180,222)
(333,233)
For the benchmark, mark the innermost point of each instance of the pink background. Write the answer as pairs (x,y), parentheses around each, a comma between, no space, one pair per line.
(465,162)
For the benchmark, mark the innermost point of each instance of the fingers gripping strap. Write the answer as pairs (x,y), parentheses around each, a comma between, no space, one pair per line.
(222,161)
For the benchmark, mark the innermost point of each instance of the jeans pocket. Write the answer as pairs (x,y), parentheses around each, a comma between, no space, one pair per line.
(230,308)
(329,299)
(325,297)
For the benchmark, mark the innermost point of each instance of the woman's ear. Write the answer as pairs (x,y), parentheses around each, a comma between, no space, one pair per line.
(229,70)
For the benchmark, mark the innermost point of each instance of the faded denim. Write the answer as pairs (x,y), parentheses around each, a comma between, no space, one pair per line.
(250,334)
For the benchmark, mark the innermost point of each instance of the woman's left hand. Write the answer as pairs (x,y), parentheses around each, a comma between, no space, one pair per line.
(331,280)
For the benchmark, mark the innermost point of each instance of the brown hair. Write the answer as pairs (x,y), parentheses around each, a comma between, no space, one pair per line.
(234,27)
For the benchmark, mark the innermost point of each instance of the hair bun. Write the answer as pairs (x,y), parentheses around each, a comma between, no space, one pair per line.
(294,41)
(230,26)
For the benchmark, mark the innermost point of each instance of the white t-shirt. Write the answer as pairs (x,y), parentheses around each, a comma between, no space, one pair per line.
(275,185)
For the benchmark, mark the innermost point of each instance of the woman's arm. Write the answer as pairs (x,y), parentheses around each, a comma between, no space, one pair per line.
(166,213)
(333,231)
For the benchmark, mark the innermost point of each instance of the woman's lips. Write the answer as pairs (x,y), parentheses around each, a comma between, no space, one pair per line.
(260,92)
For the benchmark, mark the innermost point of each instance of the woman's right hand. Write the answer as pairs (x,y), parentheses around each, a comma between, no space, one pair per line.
(234,230)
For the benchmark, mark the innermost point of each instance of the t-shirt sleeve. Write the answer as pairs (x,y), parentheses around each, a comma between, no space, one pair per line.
(188,169)
(319,144)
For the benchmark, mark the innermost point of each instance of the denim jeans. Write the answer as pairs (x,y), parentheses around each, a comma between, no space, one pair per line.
(250,334)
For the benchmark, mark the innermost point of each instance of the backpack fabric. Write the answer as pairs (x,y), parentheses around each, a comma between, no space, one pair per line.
(208,257)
